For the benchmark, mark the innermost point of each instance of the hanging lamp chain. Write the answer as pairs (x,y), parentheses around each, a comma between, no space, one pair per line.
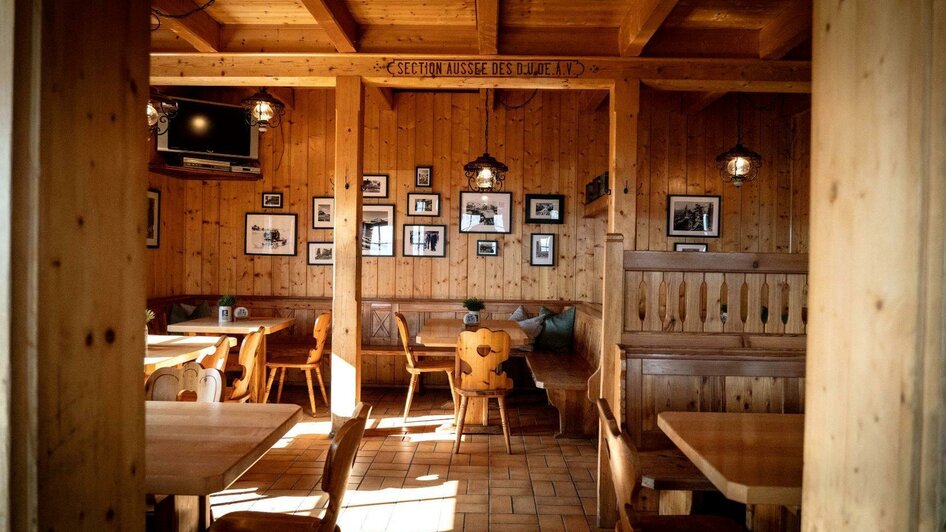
(486,109)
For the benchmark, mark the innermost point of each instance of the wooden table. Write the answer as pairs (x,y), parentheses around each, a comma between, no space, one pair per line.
(165,351)
(444,333)
(755,459)
(195,449)
(212,326)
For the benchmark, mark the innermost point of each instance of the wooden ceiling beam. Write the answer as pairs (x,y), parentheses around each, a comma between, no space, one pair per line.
(697,101)
(487,26)
(510,72)
(791,28)
(337,21)
(643,19)
(199,29)
(385,95)
(590,101)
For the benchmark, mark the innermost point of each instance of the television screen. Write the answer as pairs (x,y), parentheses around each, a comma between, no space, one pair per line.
(205,128)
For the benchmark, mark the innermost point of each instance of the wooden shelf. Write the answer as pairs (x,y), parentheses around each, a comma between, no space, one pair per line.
(183,172)
(596,208)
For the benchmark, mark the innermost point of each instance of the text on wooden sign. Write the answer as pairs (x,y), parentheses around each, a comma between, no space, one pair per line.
(489,69)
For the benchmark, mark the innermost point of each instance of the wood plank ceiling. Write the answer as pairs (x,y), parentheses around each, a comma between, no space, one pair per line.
(768,29)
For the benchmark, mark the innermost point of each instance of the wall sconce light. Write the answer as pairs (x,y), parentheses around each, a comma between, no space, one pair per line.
(161,109)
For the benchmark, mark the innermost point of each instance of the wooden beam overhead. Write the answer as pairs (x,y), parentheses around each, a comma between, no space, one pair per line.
(199,29)
(475,72)
(791,28)
(337,21)
(487,26)
(696,102)
(643,20)
(590,101)
(385,95)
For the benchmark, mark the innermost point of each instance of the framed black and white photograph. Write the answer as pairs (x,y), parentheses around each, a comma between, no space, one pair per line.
(420,204)
(270,234)
(321,253)
(485,212)
(542,251)
(487,248)
(545,209)
(425,240)
(374,186)
(272,200)
(684,246)
(153,228)
(693,216)
(377,230)
(423,176)
(323,212)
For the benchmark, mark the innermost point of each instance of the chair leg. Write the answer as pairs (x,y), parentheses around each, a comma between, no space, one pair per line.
(308,381)
(460,415)
(410,395)
(318,375)
(453,391)
(505,421)
(282,379)
(269,383)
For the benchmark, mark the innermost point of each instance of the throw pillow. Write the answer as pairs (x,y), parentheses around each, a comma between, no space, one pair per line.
(557,332)
(533,328)
(180,313)
(519,314)
(202,311)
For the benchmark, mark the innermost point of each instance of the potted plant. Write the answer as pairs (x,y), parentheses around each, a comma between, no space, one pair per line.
(149,316)
(473,307)
(225,310)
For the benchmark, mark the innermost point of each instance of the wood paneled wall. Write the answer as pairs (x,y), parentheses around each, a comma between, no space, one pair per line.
(677,155)
(551,146)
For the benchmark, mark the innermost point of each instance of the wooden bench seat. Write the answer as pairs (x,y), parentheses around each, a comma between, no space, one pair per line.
(564,377)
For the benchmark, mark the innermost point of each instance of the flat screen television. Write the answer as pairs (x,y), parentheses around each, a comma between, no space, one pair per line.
(210,129)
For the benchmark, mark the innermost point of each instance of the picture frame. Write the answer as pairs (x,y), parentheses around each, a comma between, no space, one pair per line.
(320,253)
(323,212)
(374,186)
(689,246)
(487,248)
(423,204)
(486,212)
(542,249)
(425,241)
(153,225)
(423,176)
(545,209)
(270,234)
(271,200)
(377,230)
(693,216)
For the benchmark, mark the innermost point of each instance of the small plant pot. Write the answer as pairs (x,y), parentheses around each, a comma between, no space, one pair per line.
(472,318)
(225,314)
(146,334)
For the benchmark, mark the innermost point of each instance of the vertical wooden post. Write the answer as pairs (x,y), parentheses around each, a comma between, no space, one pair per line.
(874,460)
(6,204)
(346,300)
(622,157)
(77,285)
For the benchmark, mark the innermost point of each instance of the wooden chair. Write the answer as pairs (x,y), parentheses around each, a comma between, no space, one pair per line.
(312,362)
(240,392)
(190,382)
(417,366)
(625,464)
(218,359)
(338,464)
(479,355)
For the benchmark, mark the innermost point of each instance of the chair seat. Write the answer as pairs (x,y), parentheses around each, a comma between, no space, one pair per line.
(686,523)
(265,522)
(484,393)
(425,366)
(289,361)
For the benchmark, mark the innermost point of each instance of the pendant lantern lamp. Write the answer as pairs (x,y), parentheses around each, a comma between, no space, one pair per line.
(739,164)
(485,173)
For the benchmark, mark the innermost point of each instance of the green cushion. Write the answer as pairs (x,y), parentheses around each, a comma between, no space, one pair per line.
(180,313)
(557,332)
(202,311)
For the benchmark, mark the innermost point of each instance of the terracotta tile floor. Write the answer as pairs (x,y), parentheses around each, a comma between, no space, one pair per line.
(406,478)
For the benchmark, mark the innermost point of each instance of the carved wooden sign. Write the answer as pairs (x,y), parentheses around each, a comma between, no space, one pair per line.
(462,68)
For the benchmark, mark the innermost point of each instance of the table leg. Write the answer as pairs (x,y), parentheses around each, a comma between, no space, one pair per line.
(771,518)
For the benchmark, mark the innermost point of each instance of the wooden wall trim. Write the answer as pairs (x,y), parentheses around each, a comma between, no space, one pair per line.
(7,59)
(665,261)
